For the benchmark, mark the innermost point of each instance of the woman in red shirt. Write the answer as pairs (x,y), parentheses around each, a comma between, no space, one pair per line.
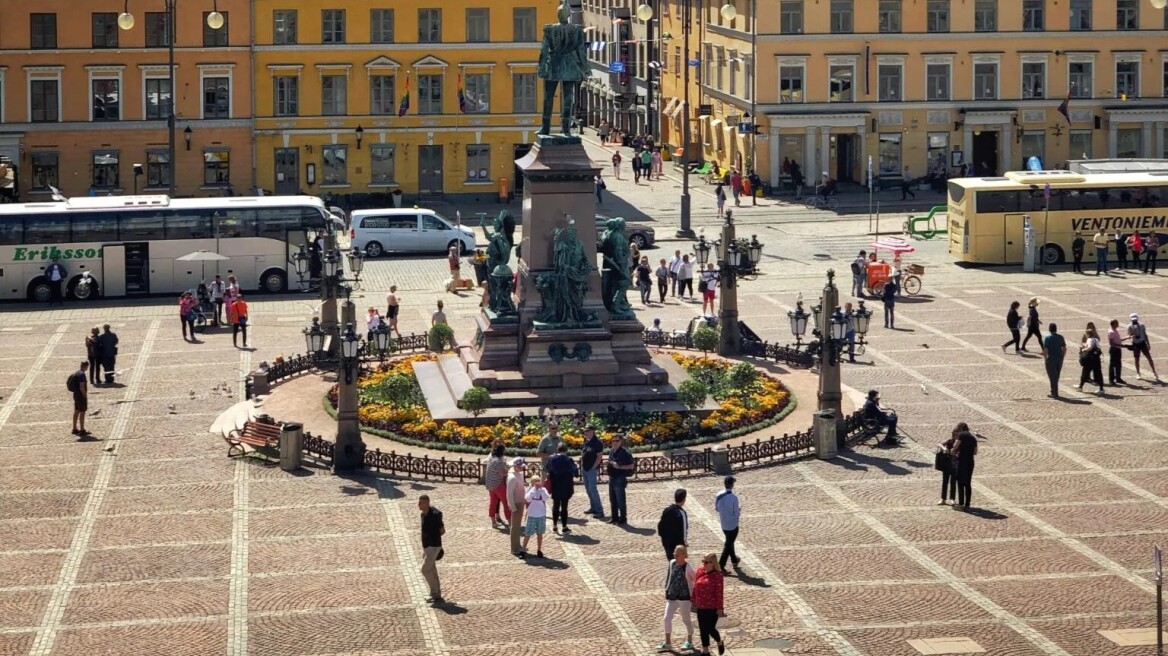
(707,602)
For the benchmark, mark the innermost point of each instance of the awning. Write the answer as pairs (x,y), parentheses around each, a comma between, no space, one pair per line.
(676,109)
(673,102)
(715,123)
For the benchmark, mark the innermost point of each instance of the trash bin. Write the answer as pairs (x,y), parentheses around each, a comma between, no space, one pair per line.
(825,435)
(291,446)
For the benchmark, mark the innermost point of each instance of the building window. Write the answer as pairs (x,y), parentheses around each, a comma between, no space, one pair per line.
(841,16)
(381,26)
(1127,79)
(748,76)
(890,16)
(157,98)
(840,82)
(429,26)
(216,167)
(381,95)
(105,169)
(476,93)
(287,96)
(429,94)
(937,81)
(382,170)
(1033,19)
(677,64)
(157,168)
(985,81)
(44,100)
(735,62)
(105,30)
(707,64)
(1128,143)
(890,153)
(1080,15)
(1033,80)
(1080,144)
(157,29)
(106,100)
(1034,145)
(791,17)
(332,25)
(216,38)
(720,62)
(1080,75)
(790,84)
(938,163)
(478,25)
(478,163)
(284,27)
(46,171)
(523,86)
(937,16)
(985,16)
(216,97)
(523,24)
(334,94)
(42,33)
(1127,14)
(888,81)
(1164,76)
(336,165)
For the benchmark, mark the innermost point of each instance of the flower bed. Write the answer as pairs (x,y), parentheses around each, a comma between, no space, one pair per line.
(392,406)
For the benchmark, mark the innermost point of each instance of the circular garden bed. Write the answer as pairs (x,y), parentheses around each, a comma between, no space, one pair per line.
(392,406)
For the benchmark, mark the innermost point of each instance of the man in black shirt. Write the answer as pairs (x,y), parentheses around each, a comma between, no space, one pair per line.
(590,465)
(674,524)
(873,412)
(76,383)
(620,466)
(965,448)
(432,531)
(109,352)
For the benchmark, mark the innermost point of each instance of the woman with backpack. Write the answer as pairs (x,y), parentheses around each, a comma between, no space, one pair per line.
(1014,324)
(1091,357)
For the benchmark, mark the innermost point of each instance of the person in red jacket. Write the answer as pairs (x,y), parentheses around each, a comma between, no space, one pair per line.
(707,602)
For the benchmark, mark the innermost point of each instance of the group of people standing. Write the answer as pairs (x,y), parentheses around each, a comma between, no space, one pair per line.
(1144,250)
(213,299)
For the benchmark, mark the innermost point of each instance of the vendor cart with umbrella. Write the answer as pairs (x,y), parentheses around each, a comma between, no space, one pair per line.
(880,271)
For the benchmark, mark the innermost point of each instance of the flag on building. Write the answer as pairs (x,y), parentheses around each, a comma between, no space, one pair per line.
(1064,108)
(404,107)
(461,96)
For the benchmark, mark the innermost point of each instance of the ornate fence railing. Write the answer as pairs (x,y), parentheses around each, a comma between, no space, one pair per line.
(750,348)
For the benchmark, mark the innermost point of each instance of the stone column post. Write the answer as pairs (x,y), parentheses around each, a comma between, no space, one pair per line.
(350,450)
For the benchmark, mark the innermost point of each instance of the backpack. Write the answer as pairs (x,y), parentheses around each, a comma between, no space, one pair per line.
(72,384)
(855,268)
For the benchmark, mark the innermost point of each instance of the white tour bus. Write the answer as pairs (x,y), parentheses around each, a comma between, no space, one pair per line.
(130,244)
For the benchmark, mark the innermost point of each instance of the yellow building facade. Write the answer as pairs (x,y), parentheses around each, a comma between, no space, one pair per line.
(330,78)
(931,85)
(83,100)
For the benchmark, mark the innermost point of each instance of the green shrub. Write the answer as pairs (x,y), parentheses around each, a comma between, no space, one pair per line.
(476,400)
(440,335)
(692,394)
(398,391)
(741,376)
(705,339)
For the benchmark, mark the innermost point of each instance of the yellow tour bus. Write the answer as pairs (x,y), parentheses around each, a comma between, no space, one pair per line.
(986,215)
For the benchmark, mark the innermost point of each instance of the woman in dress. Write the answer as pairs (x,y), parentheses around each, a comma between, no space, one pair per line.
(679,582)
(708,603)
(495,479)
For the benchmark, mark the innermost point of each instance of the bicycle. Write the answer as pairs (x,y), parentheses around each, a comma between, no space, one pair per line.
(820,201)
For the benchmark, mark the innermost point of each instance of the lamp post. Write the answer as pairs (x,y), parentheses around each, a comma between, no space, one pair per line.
(831,328)
(332,275)
(798,318)
(734,262)
(645,13)
(349,452)
(215,21)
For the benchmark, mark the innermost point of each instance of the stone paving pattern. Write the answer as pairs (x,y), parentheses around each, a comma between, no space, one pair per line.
(149,541)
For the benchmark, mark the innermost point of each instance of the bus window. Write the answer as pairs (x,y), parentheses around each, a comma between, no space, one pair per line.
(46,229)
(1032,200)
(189,224)
(11,232)
(235,223)
(275,222)
(997,201)
(141,226)
(95,226)
(312,218)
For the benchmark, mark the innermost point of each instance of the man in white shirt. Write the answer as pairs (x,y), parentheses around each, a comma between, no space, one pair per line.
(859,274)
(516,491)
(56,274)
(217,289)
(675,264)
(726,503)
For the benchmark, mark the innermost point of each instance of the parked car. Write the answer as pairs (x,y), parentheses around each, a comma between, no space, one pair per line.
(638,233)
(407,231)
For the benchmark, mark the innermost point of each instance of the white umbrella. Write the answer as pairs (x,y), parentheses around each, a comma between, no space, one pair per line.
(203,256)
(894,244)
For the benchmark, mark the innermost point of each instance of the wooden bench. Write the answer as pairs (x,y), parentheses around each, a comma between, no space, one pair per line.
(262,437)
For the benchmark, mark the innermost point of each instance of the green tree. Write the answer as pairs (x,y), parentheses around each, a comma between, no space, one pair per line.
(476,400)
(692,394)
(741,376)
(705,339)
(440,335)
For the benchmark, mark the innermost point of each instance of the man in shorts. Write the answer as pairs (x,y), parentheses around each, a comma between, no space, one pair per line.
(77,383)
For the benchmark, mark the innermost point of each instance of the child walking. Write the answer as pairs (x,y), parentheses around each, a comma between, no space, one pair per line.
(536,501)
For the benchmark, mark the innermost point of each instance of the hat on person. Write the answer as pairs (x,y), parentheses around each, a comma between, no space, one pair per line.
(1134,317)
(518,462)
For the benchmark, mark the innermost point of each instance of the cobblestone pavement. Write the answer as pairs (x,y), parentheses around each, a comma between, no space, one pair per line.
(149,541)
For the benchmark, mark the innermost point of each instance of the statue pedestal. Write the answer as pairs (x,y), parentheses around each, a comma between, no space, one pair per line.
(496,343)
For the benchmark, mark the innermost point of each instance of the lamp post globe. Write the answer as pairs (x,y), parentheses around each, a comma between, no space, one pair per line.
(215,20)
(381,338)
(645,12)
(755,250)
(728,11)
(126,20)
(350,344)
(798,318)
(733,256)
(839,326)
(356,261)
(1159,4)
(314,337)
(330,264)
(816,310)
(702,250)
(861,317)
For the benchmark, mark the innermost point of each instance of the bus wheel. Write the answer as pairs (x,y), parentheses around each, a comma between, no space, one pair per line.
(273,281)
(1052,254)
(82,292)
(39,290)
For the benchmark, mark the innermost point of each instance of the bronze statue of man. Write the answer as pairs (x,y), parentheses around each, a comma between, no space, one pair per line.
(562,60)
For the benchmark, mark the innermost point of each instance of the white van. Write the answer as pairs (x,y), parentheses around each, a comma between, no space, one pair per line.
(407,231)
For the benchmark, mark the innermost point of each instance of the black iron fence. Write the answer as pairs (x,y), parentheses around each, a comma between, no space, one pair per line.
(750,348)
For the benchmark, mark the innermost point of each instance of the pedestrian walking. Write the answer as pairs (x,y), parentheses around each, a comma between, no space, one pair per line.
(1138,334)
(945,464)
(859,274)
(591,457)
(708,287)
(1090,358)
(186,314)
(93,354)
(76,384)
(663,280)
(906,180)
(674,271)
(1014,324)
(708,603)
(600,187)
(1077,245)
(536,499)
(562,472)
(1120,250)
(729,514)
(454,262)
(635,162)
(673,527)
(755,186)
(217,289)
(720,197)
(657,163)
(685,276)
(1151,253)
(516,493)
(1100,240)
(55,272)
(109,353)
(964,453)
(736,187)
(1054,350)
(679,582)
(616,162)
(620,466)
(392,305)
(645,280)
(1115,355)
(495,480)
(888,295)
(646,164)
(1032,323)
(432,531)
(239,324)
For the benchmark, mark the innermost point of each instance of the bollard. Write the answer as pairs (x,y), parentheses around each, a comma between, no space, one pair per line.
(720,460)
(825,437)
(291,446)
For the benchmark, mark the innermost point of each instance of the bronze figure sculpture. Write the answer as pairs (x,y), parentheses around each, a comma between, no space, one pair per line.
(562,60)
(614,279)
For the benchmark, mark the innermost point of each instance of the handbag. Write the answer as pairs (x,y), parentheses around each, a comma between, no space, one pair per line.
(942,461)
(702,285)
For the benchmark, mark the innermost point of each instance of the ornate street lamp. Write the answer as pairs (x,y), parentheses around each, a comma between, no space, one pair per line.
(702,251)
(381,340)
(862,317)
(350,349)
(314,337)
(356,262)
(755,251)
(301,259)
(331,262)
(360,132)
(798,318)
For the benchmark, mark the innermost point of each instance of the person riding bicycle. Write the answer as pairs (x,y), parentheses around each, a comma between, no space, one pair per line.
(873,412)
(826,187)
